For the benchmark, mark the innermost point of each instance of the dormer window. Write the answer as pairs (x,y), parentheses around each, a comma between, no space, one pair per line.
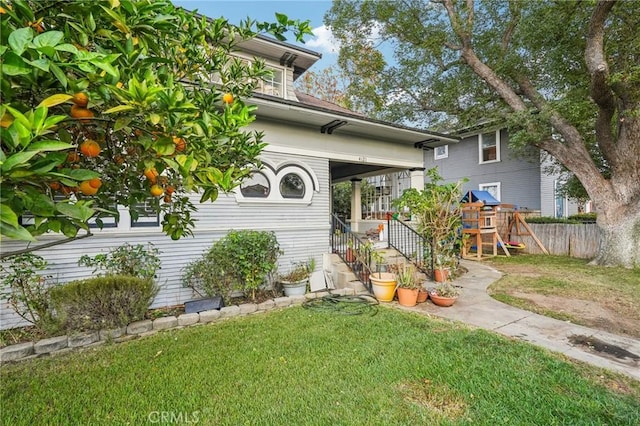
(272,84)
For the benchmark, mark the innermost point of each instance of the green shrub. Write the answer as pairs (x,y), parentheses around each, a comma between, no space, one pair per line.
(102,302)
(584,217)
(27,290)
(137,261)
(241,260)
(549,219)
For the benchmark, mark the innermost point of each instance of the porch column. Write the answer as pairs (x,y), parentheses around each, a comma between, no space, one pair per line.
(356,204)
(417,178)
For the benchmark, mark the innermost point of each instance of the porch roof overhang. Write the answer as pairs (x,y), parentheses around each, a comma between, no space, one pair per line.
(332,122)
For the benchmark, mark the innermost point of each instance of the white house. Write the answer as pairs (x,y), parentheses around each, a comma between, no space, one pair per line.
(311,145)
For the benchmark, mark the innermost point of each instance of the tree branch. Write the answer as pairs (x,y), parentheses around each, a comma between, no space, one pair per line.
(598,67)
(46,245)
(514,8)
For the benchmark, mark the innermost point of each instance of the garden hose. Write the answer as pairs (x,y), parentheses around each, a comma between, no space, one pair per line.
(345,305)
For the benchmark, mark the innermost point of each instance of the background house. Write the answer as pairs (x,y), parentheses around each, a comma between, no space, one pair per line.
(520,178)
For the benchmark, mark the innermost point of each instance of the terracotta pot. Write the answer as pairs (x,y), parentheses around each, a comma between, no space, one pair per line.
(407,296)
(422,295)
(441,275)
(384,285)
(349,257)
(442,301)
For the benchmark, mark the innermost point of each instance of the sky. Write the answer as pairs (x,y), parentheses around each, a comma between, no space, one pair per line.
(264,10)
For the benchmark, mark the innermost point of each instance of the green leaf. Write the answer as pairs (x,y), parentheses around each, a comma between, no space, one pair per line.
(107,67)
(66,47)
(62,78)
(119,108)
(55,100)
(69,230)
(49,145)
(13,64)
(17,159)
(15,233)
(19,39)
(42,64)
(121,122)
(82,174)
(70,210)
(48,38)
(8,216)
(41,205)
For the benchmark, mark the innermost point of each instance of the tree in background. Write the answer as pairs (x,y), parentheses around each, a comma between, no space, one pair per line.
(328,84)
(341,196)
(564,77)
(121,102)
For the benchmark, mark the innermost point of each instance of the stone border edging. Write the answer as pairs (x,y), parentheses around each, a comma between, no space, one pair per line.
(63,344)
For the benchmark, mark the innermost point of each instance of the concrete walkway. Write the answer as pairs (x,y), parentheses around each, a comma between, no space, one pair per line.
(476,308)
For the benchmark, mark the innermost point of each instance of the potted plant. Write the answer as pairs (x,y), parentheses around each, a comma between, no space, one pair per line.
(444,294)
(408,286)
(296,281)
(383,283)
(438,215)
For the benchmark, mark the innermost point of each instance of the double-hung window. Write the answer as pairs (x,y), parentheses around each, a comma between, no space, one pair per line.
(489,147)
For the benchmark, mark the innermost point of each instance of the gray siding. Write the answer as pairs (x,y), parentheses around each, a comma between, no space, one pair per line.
(519,176)
(302,231)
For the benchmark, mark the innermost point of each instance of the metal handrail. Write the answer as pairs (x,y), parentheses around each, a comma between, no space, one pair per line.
(409,243)
(352,250)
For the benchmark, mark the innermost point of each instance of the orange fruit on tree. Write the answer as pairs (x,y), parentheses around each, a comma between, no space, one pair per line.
(6,120)
(86,188)
(169,190)
(73,157)
(227,98)
(151,174)
(55,186)
(95,183)
(90,148)
(167,198)
(156,190)
(80,99)
(81,113)
(180,143)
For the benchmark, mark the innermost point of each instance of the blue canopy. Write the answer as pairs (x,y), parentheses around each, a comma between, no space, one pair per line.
(484,196)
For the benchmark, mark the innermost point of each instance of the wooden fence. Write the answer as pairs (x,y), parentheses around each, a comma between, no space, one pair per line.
(580,241)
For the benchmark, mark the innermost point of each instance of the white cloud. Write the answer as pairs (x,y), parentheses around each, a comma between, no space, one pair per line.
(324,41)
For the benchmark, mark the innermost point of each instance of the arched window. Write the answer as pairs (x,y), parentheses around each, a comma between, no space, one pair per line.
(292,186)
(256,186)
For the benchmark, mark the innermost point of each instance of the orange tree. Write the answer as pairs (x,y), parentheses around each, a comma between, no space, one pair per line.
(108,103)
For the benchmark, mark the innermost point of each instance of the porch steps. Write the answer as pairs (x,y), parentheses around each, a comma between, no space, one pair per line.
(343,277)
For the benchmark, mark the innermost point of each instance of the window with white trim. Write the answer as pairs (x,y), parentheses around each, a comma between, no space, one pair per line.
(143,215)
(441,152)
(256,186)
(292,182)
(489,147)
(492,188)
(292,186)
(272,84)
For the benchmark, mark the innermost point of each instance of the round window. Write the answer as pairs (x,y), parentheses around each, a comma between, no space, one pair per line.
(292,186)
(256,186)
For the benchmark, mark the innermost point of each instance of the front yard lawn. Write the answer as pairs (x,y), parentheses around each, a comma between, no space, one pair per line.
(572,290)
(301,367)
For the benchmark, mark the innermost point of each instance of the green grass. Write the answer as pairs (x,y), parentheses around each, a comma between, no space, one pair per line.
(300,367)
(615,289)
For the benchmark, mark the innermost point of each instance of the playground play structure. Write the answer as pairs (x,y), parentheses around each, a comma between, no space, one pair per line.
(487,223)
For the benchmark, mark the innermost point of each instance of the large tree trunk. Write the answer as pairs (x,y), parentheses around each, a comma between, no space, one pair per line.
(620,243)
